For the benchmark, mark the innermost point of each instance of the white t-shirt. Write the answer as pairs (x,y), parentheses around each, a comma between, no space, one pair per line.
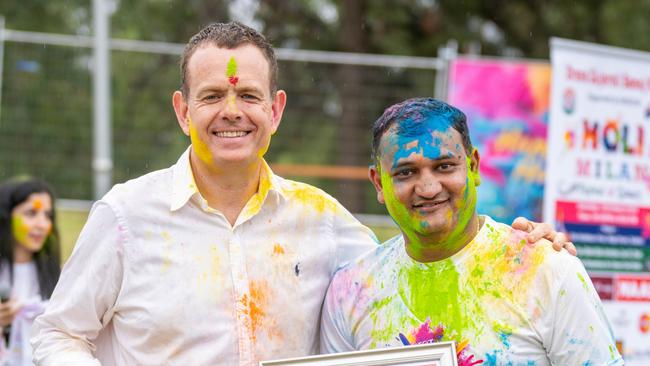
(504,302)
(26,290)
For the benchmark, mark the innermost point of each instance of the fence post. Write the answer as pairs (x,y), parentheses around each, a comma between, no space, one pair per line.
(102,163)
(445,55)
(2,57)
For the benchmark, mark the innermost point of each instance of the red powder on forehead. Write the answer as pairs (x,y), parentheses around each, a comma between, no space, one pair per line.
(233,80)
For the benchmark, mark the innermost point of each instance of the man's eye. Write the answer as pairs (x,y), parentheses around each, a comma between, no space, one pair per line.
(249,97)
(211,97)
(445,167)
(404,173)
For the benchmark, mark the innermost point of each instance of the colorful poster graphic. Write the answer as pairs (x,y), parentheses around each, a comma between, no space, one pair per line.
(506,104)
(598,165)
(626,300)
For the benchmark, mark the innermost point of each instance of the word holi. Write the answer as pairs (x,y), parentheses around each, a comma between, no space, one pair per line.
(610,137)
(623,145)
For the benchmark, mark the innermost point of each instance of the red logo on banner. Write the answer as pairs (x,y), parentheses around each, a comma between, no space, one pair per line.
(644,323)
(633,288)
(604,286)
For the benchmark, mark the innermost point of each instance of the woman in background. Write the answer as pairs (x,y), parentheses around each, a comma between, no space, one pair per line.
(29,263)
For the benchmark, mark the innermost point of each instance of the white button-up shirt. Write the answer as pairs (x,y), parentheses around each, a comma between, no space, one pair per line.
(159,278)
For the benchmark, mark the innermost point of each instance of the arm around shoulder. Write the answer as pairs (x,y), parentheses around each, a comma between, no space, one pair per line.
(84,298)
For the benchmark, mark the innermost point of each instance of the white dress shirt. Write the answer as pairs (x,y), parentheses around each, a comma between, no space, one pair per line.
(159,278)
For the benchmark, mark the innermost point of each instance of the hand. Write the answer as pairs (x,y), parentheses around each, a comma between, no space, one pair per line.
(8,311)
(537,231)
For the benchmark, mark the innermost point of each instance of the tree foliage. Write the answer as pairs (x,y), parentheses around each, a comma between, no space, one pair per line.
(46,110)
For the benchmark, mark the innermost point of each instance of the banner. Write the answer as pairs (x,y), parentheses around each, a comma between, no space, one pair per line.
(626,301)
(506,103)
(598,162)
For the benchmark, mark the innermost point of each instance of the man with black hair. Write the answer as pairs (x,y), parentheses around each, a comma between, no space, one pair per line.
(454,275)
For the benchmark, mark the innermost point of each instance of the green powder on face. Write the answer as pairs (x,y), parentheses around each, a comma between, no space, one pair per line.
(19,229)
(231,68)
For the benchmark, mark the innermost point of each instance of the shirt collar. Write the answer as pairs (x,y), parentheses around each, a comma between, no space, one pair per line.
(184,186)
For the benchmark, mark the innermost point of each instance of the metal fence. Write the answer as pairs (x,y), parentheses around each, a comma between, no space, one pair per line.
(46,111)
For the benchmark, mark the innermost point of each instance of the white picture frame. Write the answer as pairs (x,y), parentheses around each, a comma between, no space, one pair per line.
(431,354)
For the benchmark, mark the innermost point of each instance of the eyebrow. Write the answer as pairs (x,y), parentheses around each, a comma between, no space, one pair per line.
(403,163)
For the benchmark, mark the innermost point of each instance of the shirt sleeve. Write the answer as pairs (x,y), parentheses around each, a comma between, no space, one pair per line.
(352,238)
(580,333)
(83,300)
(334,333)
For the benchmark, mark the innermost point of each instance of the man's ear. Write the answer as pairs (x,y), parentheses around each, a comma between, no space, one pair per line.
(181,110)
(375,177)
(277,107)
(475,159)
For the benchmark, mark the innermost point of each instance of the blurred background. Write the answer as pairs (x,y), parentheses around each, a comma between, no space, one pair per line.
(341,63)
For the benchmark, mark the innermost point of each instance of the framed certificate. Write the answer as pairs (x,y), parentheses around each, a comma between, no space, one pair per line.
(432,354)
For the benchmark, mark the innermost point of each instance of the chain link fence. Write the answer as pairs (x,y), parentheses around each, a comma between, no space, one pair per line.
(46,112)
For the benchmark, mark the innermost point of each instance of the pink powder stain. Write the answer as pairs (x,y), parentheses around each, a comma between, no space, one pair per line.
(424,334)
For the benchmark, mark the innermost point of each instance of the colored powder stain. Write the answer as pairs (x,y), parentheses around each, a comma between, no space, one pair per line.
(232,102)
(310,196)
(20,230)
(587,363)
(491,359)
(411,223)
(434,292)
(612,353)
(563,292)
(215,262)
(424,333)
(167,255)
(583,281)
(255,305)
(405,341)
(198,146)
(591,328)
(278,249)
(231,71)
(407,222)
(37,204)
(254,204)
(467,359)
(422,127)
(504,332)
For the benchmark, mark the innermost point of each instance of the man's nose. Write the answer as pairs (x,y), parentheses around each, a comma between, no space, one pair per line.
(427,185)
(232,112)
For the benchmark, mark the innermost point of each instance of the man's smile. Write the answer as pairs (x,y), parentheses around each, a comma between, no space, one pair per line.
(231,134)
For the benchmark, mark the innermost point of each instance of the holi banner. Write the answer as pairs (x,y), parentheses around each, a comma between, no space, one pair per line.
(598,162)
(626,301)
(506,103)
